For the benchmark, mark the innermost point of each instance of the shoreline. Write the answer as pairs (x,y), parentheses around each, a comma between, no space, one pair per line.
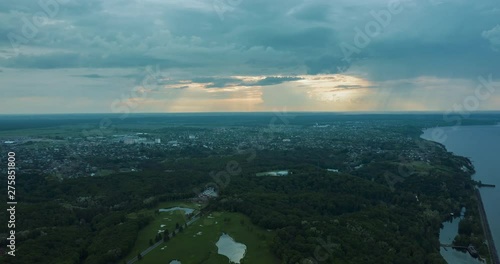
(493,253)
(486,229)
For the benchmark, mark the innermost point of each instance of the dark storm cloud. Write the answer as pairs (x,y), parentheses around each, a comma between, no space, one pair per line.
(326,64)
(314,12)
(215,82)
(76,60)
(313,37)
(276,80)
(197,43)
(289,37)
(91,76)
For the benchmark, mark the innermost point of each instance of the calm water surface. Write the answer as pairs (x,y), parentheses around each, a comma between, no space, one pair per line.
(481,144)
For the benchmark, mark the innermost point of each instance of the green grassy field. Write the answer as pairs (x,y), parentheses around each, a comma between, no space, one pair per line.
(167,219)
(196,244)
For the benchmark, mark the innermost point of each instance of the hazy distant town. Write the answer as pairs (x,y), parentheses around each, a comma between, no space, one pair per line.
(75,155)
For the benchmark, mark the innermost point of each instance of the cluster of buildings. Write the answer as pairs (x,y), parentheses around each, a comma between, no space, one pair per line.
(208,193)
(138,138)
(359,143)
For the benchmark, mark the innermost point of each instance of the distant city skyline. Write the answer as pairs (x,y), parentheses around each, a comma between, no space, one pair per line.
(96,56)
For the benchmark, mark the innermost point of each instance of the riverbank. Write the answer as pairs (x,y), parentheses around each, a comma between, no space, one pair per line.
(481,154)
(447,235)
(487,231)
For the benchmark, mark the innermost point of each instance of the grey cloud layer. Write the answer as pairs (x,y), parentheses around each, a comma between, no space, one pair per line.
(454,39)
(493,35)
(280,36)
(220,82)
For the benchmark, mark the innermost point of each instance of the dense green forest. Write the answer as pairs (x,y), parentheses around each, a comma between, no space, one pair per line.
(84,220)
(364,219)
(383,206)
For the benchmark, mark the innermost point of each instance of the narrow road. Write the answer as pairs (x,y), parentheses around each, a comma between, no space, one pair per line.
(487,231)
(149,249)
(146,251)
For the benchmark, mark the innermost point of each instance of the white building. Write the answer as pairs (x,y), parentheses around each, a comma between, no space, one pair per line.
(129,140)
(209,193)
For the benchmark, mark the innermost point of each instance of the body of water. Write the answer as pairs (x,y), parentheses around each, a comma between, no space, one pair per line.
(446,236)
(186,210)
(274,173)
(481,144)
(228,247)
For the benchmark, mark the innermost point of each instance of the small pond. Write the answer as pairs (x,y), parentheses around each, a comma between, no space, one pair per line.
(228,247)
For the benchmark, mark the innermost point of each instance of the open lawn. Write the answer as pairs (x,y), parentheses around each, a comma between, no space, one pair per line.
(162,221)
(196,244)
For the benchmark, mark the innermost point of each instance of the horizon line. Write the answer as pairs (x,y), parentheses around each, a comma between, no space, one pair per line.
(261,112)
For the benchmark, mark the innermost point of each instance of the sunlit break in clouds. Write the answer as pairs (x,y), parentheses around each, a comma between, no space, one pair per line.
(69,56)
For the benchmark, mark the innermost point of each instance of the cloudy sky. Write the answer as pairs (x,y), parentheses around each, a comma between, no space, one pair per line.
(83,56)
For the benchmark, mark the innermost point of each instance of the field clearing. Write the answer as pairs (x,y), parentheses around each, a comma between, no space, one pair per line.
(196,244)
(167,219)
